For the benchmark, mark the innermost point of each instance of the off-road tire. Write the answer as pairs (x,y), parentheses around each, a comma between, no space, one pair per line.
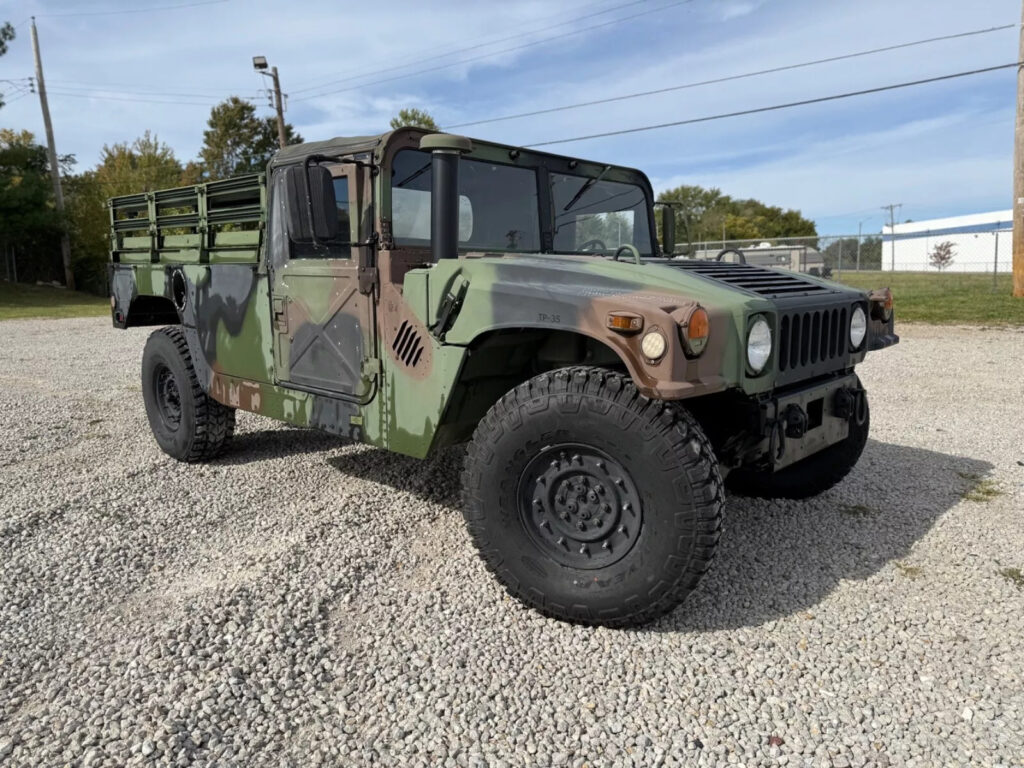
(203,427)
(668,466)
(808,477)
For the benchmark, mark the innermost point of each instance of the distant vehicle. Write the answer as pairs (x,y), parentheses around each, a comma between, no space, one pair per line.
(414,291)
(798,258)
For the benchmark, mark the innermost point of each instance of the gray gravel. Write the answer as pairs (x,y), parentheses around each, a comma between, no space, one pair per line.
(308,602)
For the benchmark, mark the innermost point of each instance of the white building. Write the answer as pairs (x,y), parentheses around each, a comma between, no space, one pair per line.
(981,242)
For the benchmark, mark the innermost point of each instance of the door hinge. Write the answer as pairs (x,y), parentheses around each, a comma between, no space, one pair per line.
(371,366)
(281,315)
(367,279)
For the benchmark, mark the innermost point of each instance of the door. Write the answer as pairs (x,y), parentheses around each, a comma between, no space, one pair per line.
(324,326)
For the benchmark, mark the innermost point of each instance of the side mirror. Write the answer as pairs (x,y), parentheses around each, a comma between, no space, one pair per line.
(312,207)
(668,230)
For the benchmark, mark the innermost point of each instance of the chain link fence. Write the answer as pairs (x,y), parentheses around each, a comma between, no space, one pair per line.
(982,252)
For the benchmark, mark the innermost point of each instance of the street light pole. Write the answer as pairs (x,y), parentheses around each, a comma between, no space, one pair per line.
(259,63)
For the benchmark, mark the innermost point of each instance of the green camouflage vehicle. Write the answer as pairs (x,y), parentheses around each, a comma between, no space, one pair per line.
(414,291)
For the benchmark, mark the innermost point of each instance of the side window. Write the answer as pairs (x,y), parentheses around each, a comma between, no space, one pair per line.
(337,245)
(341,200)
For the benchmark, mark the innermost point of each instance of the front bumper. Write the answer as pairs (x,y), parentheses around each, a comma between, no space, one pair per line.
(801,422)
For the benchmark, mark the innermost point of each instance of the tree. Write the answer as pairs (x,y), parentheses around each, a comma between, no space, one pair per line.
(144,165)
(414,118)
(6,35)
(942,255)
(870,253)
(237,141)
(708,214)
(30,227)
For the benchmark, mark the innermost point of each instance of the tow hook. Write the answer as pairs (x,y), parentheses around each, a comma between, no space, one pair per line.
(850,404)
(796,421)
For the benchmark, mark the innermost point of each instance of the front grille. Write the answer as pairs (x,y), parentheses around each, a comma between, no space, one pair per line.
(763,281)
(809,338)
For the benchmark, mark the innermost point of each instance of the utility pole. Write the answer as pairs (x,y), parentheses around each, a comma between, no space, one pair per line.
(259,63)
(891,207)
(859,225)
(1018,175)
(51,147)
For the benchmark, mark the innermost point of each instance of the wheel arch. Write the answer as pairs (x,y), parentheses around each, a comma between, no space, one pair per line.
(500,358)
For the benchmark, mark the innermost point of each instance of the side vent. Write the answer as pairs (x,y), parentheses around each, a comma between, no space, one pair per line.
(407,346)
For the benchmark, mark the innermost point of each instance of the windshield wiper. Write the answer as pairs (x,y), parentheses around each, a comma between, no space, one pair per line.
(414,174)
(585,186)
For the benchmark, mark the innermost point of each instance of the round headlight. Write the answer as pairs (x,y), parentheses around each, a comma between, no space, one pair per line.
(653,345)
(858,327)
(759,345)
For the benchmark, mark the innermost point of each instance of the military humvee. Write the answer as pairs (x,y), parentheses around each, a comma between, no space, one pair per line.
(414,291)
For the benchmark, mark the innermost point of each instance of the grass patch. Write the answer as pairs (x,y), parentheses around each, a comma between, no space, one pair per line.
(910,571)
(981,489)
(1014,576)
(18,300)
(948,298)
(857,510)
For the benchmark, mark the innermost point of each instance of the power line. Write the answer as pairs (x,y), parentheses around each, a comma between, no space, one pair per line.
(410,63)
(495,53)
(717,80)
(122,92)
(106,85)
(119,98)
(128,10)
(775,107)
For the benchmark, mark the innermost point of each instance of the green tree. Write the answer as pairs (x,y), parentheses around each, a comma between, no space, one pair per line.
(30,227)
(870,253)
(414,118)
(708,214)
(6,35)
(237,141)
(144,165)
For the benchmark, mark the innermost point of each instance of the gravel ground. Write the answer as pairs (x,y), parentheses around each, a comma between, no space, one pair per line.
(308,602)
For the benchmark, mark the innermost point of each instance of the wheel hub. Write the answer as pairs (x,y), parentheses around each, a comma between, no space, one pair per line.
(580,506)
(168,397)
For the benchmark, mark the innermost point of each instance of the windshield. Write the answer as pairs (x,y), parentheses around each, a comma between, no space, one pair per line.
(592,214)
(498,208)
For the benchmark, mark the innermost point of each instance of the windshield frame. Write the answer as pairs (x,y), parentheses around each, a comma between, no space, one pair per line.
(542,163)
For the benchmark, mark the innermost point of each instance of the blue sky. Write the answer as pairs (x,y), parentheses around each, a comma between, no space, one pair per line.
(941,149)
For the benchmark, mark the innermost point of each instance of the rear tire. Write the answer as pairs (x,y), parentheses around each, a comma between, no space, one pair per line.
(808,477)
(187,423)
(590,502)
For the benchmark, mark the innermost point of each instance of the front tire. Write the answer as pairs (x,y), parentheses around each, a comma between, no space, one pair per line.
(590,502)
(187,423)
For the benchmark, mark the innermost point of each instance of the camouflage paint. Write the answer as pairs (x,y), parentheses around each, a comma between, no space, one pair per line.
(320,342)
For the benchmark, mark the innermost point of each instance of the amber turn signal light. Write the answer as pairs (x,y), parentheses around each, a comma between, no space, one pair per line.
(625,322)
(695,331)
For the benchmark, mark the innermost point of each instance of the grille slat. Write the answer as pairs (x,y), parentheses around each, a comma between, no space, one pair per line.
(811,341)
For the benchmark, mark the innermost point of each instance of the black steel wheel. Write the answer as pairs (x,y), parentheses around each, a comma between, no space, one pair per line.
(187,423)
(591,502)
(580,505)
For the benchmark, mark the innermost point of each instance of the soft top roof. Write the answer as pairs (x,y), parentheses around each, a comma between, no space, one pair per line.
(341,145)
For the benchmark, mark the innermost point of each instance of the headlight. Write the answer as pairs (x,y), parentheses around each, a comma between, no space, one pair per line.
(858,327)
(759,345)
(653,345)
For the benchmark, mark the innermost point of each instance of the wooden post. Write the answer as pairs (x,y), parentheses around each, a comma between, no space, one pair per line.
(1018,174)
(51,150)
